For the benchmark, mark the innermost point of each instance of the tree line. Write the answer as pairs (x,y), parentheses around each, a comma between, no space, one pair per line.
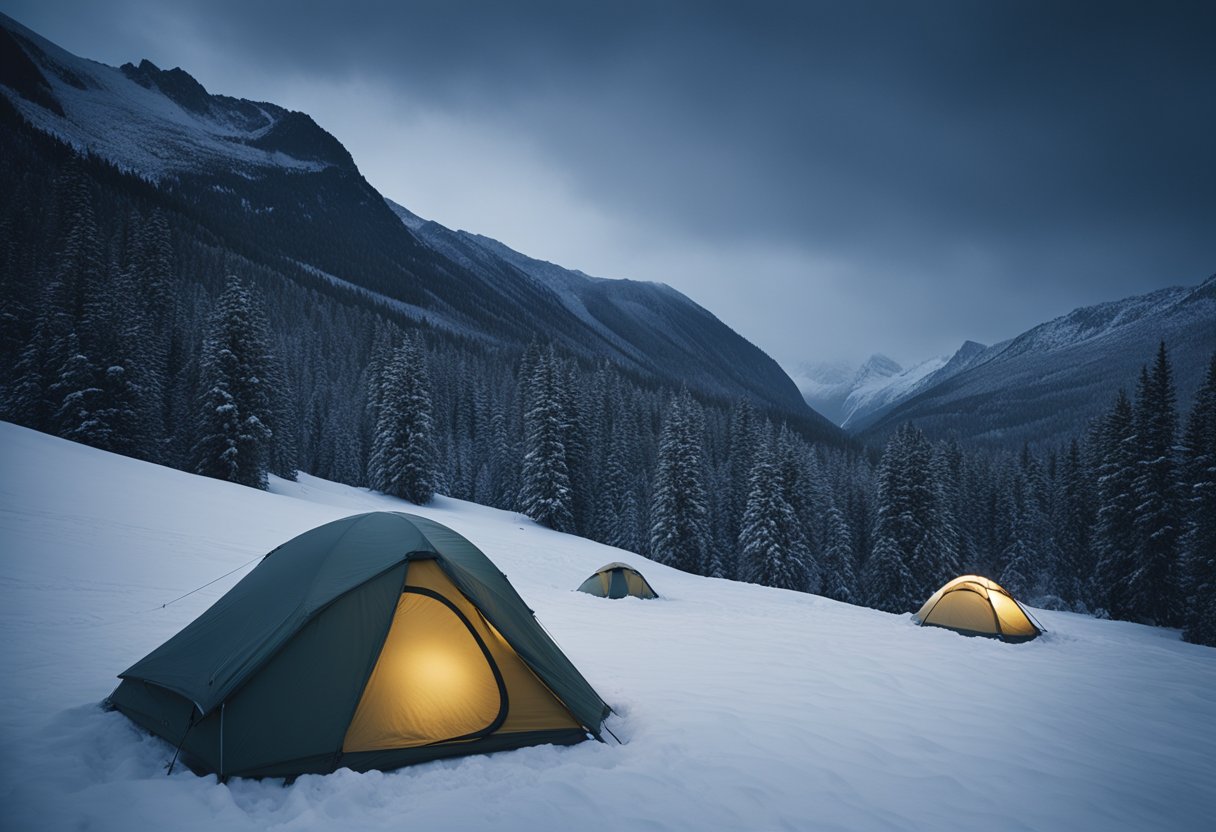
(130,330)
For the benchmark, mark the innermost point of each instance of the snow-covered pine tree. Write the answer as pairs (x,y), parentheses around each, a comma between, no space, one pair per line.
(106,393)
(616,504)
(679,522)
(403,453)
(955,500)
(1042,557)
(54,363)
(1199,544)
(887,583)
(1019,570)
(1115,533)
(742,440)
(504,461)
(546,494)
(575,443)
(839,578)
(626,527)
(1074,520)
(860,513)
(770,541)
(912,519)
(1156,583)
(150,273)
(235,404)
(76,390)
(791,457)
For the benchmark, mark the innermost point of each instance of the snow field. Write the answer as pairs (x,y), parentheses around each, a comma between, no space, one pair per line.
(741,707)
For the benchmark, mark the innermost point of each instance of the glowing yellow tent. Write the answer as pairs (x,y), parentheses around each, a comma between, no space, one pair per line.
(375,641)
(976,606)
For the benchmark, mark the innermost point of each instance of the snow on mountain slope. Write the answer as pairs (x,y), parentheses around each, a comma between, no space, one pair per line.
(150,121)
(854,398)
(827,385)
(874,391)
(1047,383)
(870,402)
(741,707)
(645,325)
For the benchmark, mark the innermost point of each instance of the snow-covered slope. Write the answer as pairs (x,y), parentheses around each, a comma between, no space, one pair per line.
(875,390)
(827,386)
(1044,385)
(742,708)
(151,121)
(870,401)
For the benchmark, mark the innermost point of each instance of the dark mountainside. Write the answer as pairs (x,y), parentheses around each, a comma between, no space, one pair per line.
(273,185)
(1045,386)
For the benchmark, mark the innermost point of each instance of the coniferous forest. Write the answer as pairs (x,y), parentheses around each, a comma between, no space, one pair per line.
(130,327)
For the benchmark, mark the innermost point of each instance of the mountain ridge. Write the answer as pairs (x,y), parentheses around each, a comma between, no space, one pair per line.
(275,182)
(1046,383)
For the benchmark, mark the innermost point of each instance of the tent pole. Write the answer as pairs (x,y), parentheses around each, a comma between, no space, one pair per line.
(180,744)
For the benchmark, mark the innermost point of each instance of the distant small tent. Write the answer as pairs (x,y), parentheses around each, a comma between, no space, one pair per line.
(976,606)
(616,580)
(372,642)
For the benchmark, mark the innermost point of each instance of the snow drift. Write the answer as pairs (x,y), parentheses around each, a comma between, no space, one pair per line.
(742,707)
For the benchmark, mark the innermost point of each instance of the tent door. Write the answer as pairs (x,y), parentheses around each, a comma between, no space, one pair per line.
(619,587)
(435,681)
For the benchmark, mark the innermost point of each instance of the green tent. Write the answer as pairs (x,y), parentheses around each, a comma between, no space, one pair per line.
(616,580)
(373,642)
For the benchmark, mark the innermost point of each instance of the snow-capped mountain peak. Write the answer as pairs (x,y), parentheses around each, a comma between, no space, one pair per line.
(151,121)
(877,366)
(1045,384)
(851,397)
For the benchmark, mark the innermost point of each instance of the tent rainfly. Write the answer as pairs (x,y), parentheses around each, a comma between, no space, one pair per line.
(373,642)
(616,580)
(976,606)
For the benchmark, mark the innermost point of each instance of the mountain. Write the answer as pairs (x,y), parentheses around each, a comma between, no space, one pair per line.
(646,325)
(854,399)
(274,186)
(1044,386)
(826,386)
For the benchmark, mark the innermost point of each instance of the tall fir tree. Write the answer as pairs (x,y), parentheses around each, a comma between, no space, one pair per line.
(839,578)
(743,439)
(1156,580)
(1018,570)
(546,495)
(914,528)
(1074,521)
(679,522)
(1115,534)
(1199,543)
(794,472)
(887,582)
(235,403)
(771,541)
(403,452)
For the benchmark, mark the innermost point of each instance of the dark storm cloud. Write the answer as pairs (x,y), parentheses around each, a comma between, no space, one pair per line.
(1009,159)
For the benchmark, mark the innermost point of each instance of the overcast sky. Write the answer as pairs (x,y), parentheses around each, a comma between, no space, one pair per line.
(831,179)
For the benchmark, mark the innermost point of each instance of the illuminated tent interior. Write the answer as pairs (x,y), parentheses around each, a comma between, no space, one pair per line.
(978,607)
(372,642)
(616,580)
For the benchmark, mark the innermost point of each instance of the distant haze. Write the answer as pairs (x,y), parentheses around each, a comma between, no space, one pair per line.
(829,179)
